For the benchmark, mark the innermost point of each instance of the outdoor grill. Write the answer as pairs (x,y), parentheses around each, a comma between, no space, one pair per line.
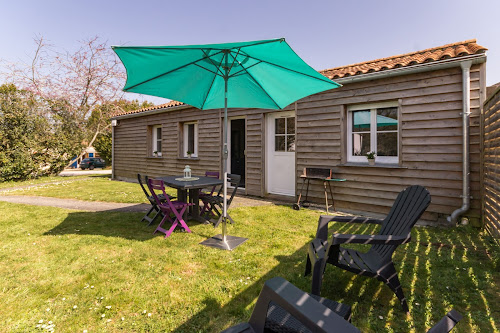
(325,175)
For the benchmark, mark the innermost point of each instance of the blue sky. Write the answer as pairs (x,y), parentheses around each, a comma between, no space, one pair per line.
(324,33)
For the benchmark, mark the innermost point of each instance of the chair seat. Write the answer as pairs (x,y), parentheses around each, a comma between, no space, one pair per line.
(366,264)
(176,204)
(212,199)
(161,197)
(279,320)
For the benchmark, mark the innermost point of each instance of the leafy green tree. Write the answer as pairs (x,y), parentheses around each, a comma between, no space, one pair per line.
(31,145)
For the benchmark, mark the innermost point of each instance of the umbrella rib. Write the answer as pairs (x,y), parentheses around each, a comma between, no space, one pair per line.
(291,70)
(171,71)
(212,83)
(264,90)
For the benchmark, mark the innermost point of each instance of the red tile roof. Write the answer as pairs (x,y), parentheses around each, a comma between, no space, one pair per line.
(455,50)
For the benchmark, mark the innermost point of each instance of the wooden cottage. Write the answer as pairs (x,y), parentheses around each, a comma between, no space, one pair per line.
(411,109)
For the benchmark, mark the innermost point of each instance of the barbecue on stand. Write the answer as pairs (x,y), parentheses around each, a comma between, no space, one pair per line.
(324,175)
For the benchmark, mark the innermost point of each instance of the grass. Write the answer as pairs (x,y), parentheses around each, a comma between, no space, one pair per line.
(38,181)
(88,188)
(67,266)
(55,259)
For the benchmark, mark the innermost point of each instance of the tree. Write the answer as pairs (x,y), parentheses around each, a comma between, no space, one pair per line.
(74,84)
(30,145)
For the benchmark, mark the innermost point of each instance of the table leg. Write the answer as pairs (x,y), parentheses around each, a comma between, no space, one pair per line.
(194,197)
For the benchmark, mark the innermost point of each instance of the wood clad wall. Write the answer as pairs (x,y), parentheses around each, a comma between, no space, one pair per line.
(431,141)
(430,147)
(132,155)
(491,180)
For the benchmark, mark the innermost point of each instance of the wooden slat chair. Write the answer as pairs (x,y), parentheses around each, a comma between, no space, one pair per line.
(154,207)
(282,307)
(216,202)
(168,207)
(377,262)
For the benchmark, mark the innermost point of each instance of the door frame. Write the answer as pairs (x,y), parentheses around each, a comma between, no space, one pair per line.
(267,148)
(229,148)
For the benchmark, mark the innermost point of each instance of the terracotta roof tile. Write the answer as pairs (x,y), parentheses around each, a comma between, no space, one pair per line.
(444,52)
(170,104)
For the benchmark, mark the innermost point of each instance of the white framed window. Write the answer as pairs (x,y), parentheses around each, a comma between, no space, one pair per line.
(284,134)
(373,127)
(190,139)
(156,140)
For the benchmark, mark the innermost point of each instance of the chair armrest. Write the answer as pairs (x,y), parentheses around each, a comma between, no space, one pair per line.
(312,314)
(322,231)
(369,239)
(447,323)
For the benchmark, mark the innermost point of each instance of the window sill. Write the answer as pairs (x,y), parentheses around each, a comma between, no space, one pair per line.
(155,157)
(188,158)
(377,165)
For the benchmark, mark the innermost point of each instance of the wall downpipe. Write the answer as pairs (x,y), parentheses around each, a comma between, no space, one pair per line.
(453,218)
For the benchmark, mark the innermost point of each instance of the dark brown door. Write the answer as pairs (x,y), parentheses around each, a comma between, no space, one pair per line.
(238,149)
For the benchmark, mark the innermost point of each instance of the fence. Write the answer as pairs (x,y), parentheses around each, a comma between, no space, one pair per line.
(491,165)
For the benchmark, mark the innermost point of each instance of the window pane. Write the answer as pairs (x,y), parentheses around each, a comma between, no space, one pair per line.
(279,143)
(361,121)
(360,144)
(387,119)
(158,133)
(290,125)
(191,138)
(387,144)
(290,143)
(158,146)
(280,126)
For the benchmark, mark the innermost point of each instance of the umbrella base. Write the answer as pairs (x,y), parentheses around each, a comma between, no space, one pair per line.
(230,243)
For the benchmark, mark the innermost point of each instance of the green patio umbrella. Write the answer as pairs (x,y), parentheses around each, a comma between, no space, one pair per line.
(264,74)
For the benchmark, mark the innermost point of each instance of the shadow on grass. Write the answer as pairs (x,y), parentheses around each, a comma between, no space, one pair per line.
(112,223)
(439,270)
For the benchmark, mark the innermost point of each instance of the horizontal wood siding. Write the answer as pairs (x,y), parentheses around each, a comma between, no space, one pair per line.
(492,165)
(131,144)
(431,147)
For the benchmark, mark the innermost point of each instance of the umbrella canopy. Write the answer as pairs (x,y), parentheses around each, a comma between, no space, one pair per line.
(264,74)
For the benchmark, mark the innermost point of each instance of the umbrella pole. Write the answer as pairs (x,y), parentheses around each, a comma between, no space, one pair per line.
(224,241)
(225,153)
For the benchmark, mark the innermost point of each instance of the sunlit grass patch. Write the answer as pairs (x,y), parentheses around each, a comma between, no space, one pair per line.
(106,271)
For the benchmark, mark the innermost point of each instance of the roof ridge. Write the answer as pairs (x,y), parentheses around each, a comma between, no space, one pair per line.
(468,41)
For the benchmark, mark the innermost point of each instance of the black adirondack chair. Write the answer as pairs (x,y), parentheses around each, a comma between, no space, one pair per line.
(282,307)
(377,262)
(154,207)
(216,202)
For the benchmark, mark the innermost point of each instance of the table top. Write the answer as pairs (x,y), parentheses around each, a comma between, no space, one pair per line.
(201,182)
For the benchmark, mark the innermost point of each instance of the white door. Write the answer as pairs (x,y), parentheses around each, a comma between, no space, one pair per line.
(280,153)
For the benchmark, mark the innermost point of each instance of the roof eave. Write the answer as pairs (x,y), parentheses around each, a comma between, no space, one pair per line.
(150,112)
(441,64)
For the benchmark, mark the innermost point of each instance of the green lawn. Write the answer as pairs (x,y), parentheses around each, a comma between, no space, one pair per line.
(39,181)
(88,188)
(68,266)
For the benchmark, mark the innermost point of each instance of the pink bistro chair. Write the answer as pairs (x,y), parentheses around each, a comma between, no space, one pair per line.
(206,206)
(168,207)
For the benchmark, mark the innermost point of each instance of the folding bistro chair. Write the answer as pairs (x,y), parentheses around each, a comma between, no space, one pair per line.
(215,202)
(154,207)
(377,262)
(168,207)
(212,174)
